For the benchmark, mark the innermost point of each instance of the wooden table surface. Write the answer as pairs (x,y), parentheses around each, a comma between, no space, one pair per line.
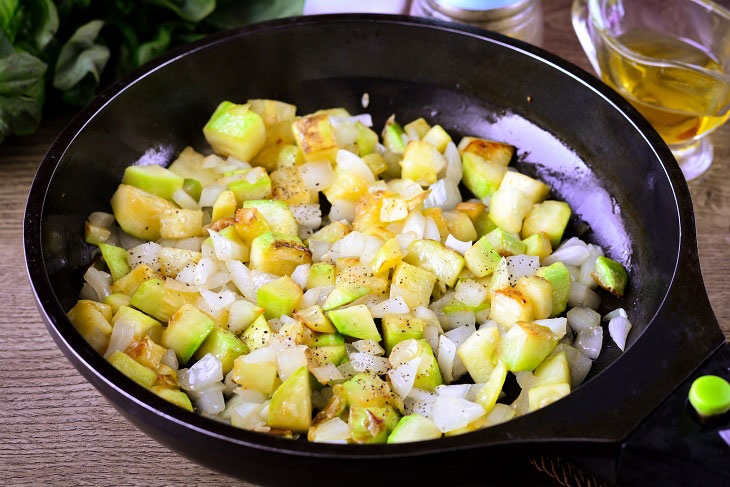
(55,428)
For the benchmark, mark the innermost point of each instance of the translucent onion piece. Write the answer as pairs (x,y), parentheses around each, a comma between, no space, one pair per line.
(458,336)
(403,377)
(372,245)
(431,335)
(175,285)
(368,346)
(580,295)
(619,328)
(326,373)
(263,355)
(232,161)
(405,239)
(615,313)
(212,161)
(100,282)
(471,293)
(365,362)
(291,360)
(170,359)
(578,363)
(300,275)
(210,194)
(318,248)
(351,245)
(218,301)
(121,338)
(347,370)
(519,266)
(573,255)
(457,245)
(454,167)
(349,162)
(225,249)
(445,194)
(204,270)
(431,231)
(147,253)
(574,272)
(342,210)
(439,304)
(101,219)
(589,341)
(439,163)
(184,200)
(332,431)
(247,416)
(589,265)
(581,319)
(573,241)
(415,223)
(192,243)
(205,372)
(557,325)
(317,175)
(452,413)
(209,400)
(459,319)
(393,306)
(459,390)
(446,356)
(309,216)
(310,298)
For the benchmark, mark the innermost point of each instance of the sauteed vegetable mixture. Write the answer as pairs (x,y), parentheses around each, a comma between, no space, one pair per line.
(310,278)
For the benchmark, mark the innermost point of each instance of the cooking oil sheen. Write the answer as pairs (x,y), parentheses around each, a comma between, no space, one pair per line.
(682,104)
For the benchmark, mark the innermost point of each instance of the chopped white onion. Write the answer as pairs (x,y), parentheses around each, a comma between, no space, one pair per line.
(342,210)
(581,319)
(121,338)
(443,301)
(247,415)
(452,413)
(147,253)
(571,242)
(589,265)
(332,431)
(99,281)
(226,249)
(210,194)
(204,270)
(317,175)
(175,285)
(263,355)
(615,313)
(170,359)
(101,219)
(403,377)
(209,400)
(309,216)
(446,356)
(326,373)
(415,223)
(573,255)
(459,390)
(454,167)
(368,346)
(445,194)
(459,318)
(459,336)
(318,248)
(619,328)
(351,245)
(347,370)
(431,231)
(291,360)
(457,245)
(184,200)
(574,272)
(394,306)
(192,243)
(405,239)
(580,295)
(578,363)
(471,293)
(349,162)
(431,335)
(559,326)
(589,341)
(300,275)
(205,372)
(365,362)
(218,301)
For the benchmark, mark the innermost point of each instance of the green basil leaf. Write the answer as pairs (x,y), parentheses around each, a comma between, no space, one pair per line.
(10,18)
(21,90)
(192,10)
(43,22)
(81,59)
(155,47)
(235,13)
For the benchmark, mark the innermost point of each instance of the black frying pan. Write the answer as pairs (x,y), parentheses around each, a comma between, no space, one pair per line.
(597,153)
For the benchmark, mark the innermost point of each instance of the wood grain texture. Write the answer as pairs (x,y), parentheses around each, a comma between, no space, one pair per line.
(56,429)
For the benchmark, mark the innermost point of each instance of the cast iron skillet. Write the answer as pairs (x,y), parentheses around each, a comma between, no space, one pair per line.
(597,153)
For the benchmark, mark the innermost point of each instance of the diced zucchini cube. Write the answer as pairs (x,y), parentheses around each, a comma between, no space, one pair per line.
(508,208)
(477,353)
(398,328)
(91,319)
(186,331)
(525,345)
(550,217)
(138,212)
(355,321)
(482,177)
(541,396)
(278,253)
(316,138)
(559,278)
(153,179)
(140,374)
(433,256)
(539,293)
(413,284)
(496,152)
(536,191)
(235,130)
(279,297)
(510,306)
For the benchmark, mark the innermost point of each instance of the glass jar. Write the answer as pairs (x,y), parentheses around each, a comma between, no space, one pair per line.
(521,19)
